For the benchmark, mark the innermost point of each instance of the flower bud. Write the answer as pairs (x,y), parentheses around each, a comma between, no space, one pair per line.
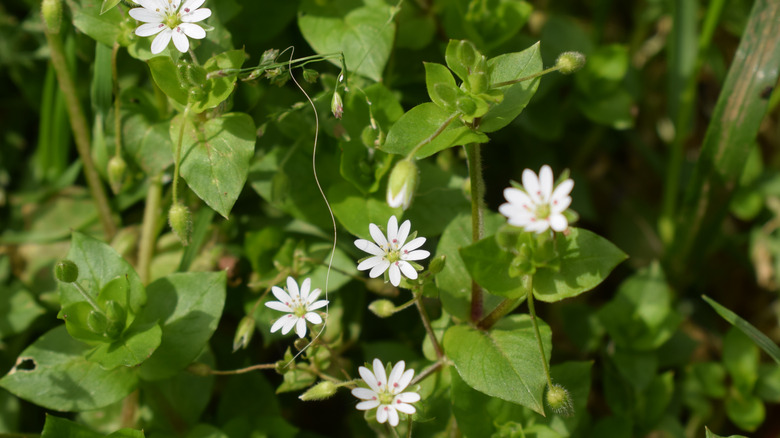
(66,271)
(559,400)
(180,221)
(52,15)
(320,391)
(310,75)
(199,369)
(402,184)
(301,343)
(437,264)
(116,173)
(570,62)
(337,105)
(382,308)
(244,332)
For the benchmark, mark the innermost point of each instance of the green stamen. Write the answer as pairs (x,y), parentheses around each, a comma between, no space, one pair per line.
(543,211)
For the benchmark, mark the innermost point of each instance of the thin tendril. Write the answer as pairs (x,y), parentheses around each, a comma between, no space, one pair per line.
(327,204)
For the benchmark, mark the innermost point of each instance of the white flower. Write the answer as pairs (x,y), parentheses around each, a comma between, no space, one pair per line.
(538,207)
(170,21)
(386,394)
(391,252)
(299,306)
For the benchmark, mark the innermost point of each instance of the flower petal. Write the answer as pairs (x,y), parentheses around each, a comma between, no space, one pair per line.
(404,381)
(563,189)
(408,397)
(292,288)
(305,287)
(518,197)
(195,16)
(276,305)
(403,232)
(395,374)
(407,270)
(369,263)
(369,378)
(377,235)
(161,41)
(405,408)
(414,244)
(393,416)
(377,270)
(364,394)
(180,40)
(191,5)
(381,414)
(313,318)
(146,15)
(149,29)
(279,323)
(152,5)
(282,296)
(559,205)
(419,254)
(395,274)
(193,31)
(379,372)
(289,323)
(558,222)
(531,185)
(317,304)
(537,226)
(300,327)
(366,405)
(392,229)
(369,247)
(546,182)
(312,296)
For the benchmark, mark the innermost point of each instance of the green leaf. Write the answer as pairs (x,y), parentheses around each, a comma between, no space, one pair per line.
(135,346)
(437,200)
(101,26)
(712,435)
(362,30)
(508,67)
(418,126)
(478,414)
(189,307)
(746,411)
(164,73)
(220,87)
(107,5)
(741,359)
(768,385)
(355,210)
(640,316)
(57,427)
(206,431)
(586,260)
(18,309)
(53,373)
(488,265)
(215,158)
(504,362)
(753,333)
(437,74)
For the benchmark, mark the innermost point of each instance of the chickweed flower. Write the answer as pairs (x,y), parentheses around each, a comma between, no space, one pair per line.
(538,207)
(386,395)
(298,304)
(391,253)
(171,20)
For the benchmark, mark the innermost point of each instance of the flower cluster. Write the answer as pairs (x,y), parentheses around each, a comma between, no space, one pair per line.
(386,394)
(298,304)
(391,253)
(538,206)
(170,20)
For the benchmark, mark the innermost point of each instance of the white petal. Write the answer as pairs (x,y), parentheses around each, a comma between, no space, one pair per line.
(403,232)
(289,323)
(312,296)
(559,205)
(276,305)
(395,374)
(145,15)
(152,5)
(180,40)
(407,270)
(282,296)
(313,318)
(369,378)
(379,269)
(317,304)
(292,288)
(191,5)
(414,244)
(366,405)
(408,397)
(405,408)
(537,226)
(377,235)
(381,414)
(517,197)
(392,229)
(546,182)
(393,416)
(300,327)
(304,291)
(161,41)
(403,382)
(149,29)
(369,247)
(519,221)
(419,254)
(558,222)
(531,185)
(395,274)
(364,394)
(279,323)
(379,372)
(563,189)
(369,263)
(193,31)
(195,16)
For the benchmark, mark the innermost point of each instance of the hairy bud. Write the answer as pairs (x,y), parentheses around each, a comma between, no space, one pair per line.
(382,308)
(116,173)
(320,391)
(337,105)
(570,62)
(559,400)
(52,15)
(437,264)
(66,271)
(180,220)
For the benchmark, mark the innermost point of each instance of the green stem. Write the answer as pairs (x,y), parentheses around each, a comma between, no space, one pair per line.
(427,324)
(427,372)
(431,137)
(532,312)
(526,78)
(88,298)
(503,308)
(178,155)
(80,129)
(263,366)
(149,227)
(117,102)
(477,218)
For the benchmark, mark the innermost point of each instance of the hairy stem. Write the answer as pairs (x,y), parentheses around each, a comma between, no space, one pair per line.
(427,324)
(503,308)
(427,372)
(535,323)
(117,102)
(80,129)
(177,166)
(263,366)
(526,78)
(149,227)
(477,218)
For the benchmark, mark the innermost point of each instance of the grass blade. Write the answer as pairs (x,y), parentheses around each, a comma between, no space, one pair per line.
(753,333)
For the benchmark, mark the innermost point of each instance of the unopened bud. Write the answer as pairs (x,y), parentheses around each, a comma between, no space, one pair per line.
(52,15)
(310,75)
(570,62)
(244,332)
(180,221)
(301,343)
(320,391)
(116,173)
(337,105)
(402,184)
(382,308)
(437,264)
(559,400)
(199,369)
(66,271)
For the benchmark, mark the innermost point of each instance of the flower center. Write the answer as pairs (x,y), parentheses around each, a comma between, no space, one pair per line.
(300,311)
(543,211)
(393,256)
(385,398)
(172,20)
